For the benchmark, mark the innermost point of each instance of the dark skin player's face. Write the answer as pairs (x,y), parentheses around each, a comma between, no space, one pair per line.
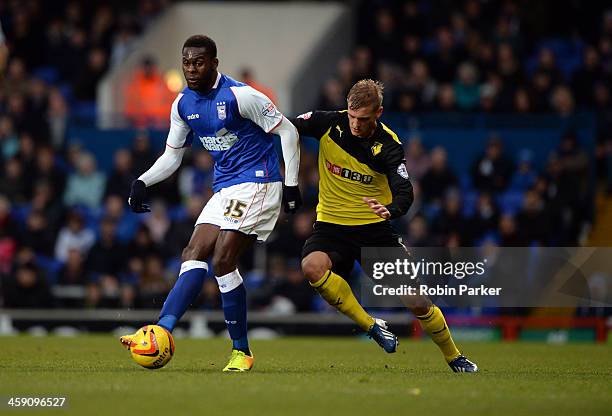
(199,68)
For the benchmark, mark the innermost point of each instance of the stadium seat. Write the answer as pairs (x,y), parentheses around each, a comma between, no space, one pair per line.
(465,182)
(254,280)
(91,216)
(173,264)
(177,212)
(85,111)
(489,237)
(510,202)
(48,74)
(51,267)
(20,212)
(431,211)
(470,198)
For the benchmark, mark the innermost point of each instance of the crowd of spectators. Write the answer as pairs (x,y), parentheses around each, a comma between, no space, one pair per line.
(66,230)
(68,239)
(504,201)
(58,52)
(488,57)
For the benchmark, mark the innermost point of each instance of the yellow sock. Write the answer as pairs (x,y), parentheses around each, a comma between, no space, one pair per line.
(337,292)
(434,324)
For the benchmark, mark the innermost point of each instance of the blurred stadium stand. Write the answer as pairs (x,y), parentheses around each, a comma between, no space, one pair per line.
(292,64)
(505,115)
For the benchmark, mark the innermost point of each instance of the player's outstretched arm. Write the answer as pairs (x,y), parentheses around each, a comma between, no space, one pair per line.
(166,164)
(163,167)
(290,143)
(315,123)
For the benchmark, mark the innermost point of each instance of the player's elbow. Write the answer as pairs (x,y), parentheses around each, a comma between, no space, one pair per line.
(287,131)
(402,202)
(173,159)
(409,198)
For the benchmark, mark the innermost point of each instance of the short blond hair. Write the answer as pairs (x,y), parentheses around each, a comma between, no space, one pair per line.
(365,93)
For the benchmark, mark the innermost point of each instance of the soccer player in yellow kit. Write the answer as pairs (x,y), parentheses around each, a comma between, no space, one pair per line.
(363,184)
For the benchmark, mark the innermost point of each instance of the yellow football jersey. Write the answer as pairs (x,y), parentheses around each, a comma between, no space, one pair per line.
(351,168)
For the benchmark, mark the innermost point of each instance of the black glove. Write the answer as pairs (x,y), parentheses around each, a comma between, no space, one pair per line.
(137,197)
(292,198)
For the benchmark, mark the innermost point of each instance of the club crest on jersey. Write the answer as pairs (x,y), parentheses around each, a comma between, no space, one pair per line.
(402,171)
(376,149)
(221,113)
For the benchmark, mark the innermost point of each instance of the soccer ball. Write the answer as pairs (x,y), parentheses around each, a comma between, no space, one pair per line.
(152,346)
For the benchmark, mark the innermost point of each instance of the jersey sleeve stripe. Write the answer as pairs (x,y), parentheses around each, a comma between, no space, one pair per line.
(277,124)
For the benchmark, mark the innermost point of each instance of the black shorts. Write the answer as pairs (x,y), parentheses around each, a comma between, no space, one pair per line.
(343,243)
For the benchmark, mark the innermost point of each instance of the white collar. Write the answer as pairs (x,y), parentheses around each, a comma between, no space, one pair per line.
(216,84)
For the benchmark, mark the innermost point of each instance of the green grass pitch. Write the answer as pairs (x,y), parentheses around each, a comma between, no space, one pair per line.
(308,376)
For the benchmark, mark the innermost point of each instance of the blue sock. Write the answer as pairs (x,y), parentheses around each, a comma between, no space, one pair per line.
(168,322)
(233,296)
(185,291)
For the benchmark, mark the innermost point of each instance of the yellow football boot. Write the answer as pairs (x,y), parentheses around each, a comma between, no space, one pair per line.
(239,362)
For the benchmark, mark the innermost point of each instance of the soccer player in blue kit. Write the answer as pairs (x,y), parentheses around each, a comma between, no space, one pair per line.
(236,124)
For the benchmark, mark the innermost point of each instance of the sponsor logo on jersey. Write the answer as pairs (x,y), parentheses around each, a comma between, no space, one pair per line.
(221,113)
(340,131)
(376,149)
(402,171)
(269,110)
(193,116)
(348,174)
(222,141)
(305,116)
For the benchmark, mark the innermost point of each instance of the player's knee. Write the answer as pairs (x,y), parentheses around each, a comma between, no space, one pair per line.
(420,310)
(315,265)
(223,263)
(190,253)
(418,305)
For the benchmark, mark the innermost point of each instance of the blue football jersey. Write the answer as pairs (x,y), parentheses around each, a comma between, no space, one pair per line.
(233,122)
